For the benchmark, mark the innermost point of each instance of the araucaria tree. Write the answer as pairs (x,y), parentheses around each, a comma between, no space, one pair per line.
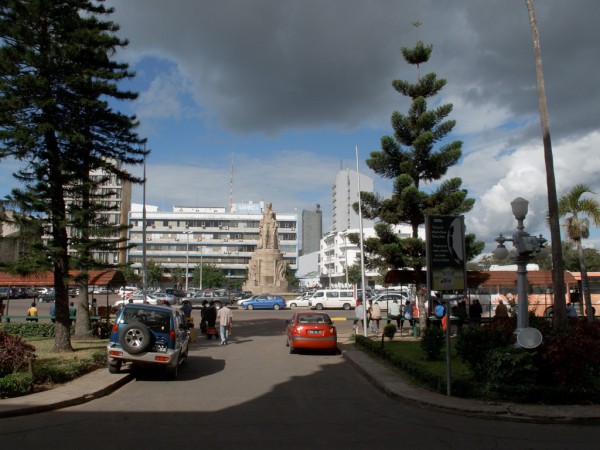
(579,210)
(415,157)
(56,81)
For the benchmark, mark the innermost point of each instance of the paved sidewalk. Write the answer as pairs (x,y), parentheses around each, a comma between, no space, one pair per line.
(83,389)
(100,383)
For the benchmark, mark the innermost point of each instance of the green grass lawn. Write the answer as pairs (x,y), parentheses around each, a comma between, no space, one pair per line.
(51,367)
(412,361)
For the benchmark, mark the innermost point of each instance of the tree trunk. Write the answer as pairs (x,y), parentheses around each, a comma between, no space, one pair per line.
(553,217)
(585,284)
(83,328)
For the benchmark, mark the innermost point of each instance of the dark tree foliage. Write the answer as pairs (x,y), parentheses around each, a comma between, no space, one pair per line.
(56,80)
(417,154)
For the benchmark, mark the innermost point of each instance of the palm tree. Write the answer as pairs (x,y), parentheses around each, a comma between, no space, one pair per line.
(553,216)
(580,210)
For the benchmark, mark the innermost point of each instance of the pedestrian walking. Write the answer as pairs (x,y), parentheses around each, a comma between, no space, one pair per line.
(225,318)
(359,315)
(211,319)
(203,317)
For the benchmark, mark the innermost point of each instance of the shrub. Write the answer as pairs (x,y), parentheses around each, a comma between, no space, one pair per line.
(389,331)
(15,385)
(570,356)
(432,343)
(14,353)
(474,344)
(510,366)
(29,329)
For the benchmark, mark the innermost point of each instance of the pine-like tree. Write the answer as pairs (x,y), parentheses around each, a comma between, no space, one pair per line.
(57,78)
(579,209)
(416,155)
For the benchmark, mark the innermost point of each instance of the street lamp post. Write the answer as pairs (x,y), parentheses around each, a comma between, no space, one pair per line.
(528,247)
(187,258)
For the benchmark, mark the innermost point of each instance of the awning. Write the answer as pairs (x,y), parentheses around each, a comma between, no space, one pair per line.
(96,277)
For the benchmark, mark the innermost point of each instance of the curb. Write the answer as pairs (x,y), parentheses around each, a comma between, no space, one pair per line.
(81,390)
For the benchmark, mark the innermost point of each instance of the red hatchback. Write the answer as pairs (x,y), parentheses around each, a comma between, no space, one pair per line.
(311,330)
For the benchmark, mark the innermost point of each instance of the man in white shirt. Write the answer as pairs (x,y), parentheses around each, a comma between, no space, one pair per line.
(225,318)
(394,312)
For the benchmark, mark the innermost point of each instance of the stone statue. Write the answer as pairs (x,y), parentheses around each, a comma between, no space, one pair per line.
(267,234)
(267,266)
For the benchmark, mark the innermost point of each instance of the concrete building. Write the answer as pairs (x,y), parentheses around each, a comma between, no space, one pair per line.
(10,238)
(344,195)
(189,236)
(312,230)
(337,253)
(115,196)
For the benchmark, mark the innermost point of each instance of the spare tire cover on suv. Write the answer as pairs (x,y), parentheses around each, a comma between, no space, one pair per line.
(135,338)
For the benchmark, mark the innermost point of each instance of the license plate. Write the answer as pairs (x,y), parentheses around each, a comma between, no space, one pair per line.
(161,347)
(314,332)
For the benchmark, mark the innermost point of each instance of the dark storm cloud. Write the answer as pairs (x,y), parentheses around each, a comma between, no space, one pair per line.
(266,65)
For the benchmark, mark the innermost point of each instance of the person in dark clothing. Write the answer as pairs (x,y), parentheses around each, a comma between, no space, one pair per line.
(203,316)
(475,311)
(211,318)
(186,309)
(461,313)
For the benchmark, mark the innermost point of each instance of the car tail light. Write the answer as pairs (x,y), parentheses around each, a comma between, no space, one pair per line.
(161,358)
(172,335)
(115,353)
(332,330)
(115,328)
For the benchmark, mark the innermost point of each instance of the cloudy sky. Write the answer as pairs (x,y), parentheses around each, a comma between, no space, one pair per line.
(287,89)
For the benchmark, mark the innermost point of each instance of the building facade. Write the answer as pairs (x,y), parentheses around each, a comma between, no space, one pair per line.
(344,195)
(337,253)
(312,230)
(190,236)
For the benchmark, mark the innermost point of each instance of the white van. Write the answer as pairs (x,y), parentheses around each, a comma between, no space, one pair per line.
(333,298)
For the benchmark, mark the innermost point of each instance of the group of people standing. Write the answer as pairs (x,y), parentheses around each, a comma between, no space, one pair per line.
(210,313)
(399,313)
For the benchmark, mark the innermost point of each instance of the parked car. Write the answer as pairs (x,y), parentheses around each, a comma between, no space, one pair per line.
(196,301)
(48,296)
(333,298)
(125,290)
(301,300)
(148,336)
(101,290)
(384,300)
(134,299)
(161,297)
(311,330)
(175,292)
(241,296)
(265,301)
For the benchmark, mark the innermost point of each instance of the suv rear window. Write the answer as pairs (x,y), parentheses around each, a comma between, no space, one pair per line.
(157,321)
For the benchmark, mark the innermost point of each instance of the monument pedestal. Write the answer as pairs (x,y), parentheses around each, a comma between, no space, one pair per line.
(266,272)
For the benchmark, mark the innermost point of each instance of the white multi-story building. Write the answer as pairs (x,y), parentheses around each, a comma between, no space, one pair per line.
(344,195)
(337,253)
(189,236)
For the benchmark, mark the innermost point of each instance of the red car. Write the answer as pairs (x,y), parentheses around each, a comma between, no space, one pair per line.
(311,330)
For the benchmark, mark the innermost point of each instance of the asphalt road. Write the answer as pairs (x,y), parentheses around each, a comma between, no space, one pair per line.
(252,394)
